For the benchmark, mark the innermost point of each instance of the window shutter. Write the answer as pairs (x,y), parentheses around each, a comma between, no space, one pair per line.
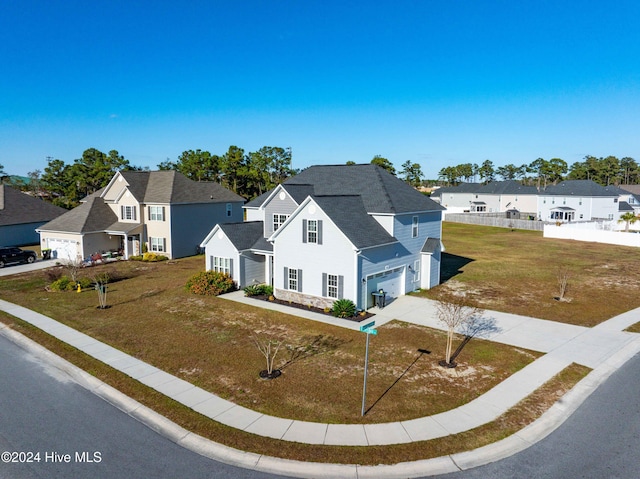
(164,244)
(231,267)
(148,212)
(286,278)
(324,284)
(299,280)
(340,287)
(319,231)
(133,213)
(304,231)
(163,213)
(121,212)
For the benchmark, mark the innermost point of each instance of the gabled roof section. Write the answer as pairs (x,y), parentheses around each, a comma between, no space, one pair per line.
(17,207)
(381,191)
(349,215)
(170,187)
(298,192)
(508,187)
(243,235)
(582,188)
(92,215)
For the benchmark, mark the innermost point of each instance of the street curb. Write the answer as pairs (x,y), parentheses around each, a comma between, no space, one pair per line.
(519,441)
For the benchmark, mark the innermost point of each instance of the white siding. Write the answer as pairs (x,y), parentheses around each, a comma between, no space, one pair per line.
(334,256)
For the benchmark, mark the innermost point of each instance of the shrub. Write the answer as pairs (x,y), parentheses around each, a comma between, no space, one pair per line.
(210,283)
(258,290)
(153,257)
(62,284)
(343,308)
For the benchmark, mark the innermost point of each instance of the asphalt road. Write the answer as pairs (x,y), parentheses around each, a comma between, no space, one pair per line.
(601,440)
(43,411)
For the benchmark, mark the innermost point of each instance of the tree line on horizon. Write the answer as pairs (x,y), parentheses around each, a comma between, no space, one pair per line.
(604,170)
(247,174)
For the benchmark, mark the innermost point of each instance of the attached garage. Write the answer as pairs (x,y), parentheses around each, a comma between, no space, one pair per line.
(391,281)
(62,249)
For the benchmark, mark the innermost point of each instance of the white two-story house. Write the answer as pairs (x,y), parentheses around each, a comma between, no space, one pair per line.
(157,211)
(333,232)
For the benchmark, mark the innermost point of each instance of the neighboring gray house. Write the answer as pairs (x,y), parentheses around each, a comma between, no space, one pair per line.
(578,200)
(161,211)
(21,214)
(334,232)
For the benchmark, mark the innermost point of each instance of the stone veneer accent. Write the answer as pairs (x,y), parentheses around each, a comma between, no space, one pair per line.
(304,299)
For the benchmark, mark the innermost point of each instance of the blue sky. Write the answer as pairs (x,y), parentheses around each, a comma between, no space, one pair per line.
(434,82)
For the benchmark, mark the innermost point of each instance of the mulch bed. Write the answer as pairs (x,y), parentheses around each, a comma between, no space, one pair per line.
(357,318)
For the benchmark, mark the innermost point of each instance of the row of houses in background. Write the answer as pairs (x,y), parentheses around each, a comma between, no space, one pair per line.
(328,233)
(571,200)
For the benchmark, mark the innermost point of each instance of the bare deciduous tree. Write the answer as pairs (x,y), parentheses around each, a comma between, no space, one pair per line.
(563,276)
(455,315)
(269,346)
(73,267)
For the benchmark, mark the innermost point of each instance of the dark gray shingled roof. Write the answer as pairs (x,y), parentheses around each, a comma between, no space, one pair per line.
(431,245)
(461,188)
(173,187)
(256,202)
(17,208)
(92,215)
(508,187)
(381,192)
(349,215)
(624,206)
(243,235)
(580,188)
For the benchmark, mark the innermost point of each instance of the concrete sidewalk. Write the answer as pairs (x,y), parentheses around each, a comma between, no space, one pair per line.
(604,348)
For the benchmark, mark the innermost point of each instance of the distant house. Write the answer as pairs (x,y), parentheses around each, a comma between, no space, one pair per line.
(333,232)
(578,200)
(21,214)
(157,211)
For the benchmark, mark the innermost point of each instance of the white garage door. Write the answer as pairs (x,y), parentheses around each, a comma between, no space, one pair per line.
(389,281)
(62,249)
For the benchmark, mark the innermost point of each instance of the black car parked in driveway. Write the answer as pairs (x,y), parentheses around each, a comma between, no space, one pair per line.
(16,255)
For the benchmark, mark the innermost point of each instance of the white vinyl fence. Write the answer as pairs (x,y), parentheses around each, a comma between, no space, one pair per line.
(592,234)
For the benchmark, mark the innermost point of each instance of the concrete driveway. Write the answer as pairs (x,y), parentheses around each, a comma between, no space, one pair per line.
(25,268)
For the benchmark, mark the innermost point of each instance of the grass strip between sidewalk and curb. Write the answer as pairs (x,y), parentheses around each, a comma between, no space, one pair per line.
(509,423)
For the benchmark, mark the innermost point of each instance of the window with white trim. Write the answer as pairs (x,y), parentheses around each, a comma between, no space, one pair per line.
(157,245)
(312,231)
(278,220)
(128,212)
(156,213)
(221,265)
(293,279)
(416,271)
(414,227)
(332,285)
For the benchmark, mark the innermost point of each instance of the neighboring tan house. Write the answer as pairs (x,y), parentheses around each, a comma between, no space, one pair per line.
(21,214)
(158,211)
(331,232)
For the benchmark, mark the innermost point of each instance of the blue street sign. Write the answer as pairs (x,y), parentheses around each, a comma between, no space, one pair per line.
(367,326)
(371,331)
